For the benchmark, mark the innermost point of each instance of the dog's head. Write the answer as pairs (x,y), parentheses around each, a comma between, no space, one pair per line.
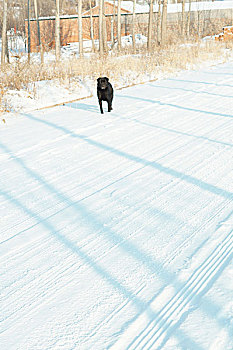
(102,83)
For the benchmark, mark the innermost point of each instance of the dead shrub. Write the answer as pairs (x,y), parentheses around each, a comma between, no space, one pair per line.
(123,70)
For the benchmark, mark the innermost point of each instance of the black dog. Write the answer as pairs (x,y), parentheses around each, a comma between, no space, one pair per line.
(104,93)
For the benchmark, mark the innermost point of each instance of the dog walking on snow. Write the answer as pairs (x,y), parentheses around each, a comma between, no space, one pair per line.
(104,93)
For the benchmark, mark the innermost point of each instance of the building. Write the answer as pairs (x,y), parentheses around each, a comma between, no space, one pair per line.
(69,27)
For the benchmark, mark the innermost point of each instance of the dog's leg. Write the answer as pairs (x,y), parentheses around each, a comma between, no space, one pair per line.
(109,106)
(101,107)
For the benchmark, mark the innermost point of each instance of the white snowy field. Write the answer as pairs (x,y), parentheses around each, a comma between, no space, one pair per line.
(117,229)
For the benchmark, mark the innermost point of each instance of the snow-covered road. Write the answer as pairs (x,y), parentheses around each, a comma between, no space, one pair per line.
(117,229)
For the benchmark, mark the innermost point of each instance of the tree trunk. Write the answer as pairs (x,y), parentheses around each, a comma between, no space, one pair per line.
(80,28)
(38,31)
(198,22)
(183,19)
(189,18)
(133,27)
(164,23)
(113,23)
(4,33)
(101,46)
(7,50)
(92,28)
(119,25)
(104,30)
(57,31)
(149,38)
(29,31)
(159,24)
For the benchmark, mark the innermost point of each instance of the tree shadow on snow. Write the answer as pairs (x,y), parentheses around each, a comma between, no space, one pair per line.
(185,293)
(83,106)
(159,103)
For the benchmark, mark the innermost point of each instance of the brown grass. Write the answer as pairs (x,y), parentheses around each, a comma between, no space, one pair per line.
(123,70)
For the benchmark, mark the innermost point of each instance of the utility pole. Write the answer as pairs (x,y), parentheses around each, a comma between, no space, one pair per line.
(4,33)
(57,31)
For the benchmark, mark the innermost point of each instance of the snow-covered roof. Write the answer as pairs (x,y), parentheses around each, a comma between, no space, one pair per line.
(172,8)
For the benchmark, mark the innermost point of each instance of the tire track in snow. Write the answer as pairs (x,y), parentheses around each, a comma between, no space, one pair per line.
(174,306)
(173,184)
(174,150)
(185,240)
(168,318)
(126,145)
(97,159)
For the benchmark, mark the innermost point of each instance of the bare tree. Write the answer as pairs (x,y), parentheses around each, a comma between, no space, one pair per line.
(119,25)
(29,31)
(159,23)
(101,47)
(149,38)
(183,19)
(104,30)
(80,28)
(92,28)
(198,22)
(113,18)
(46,7)
(188,19)
(4,33)
(57,30)
(38,31)
(133,27)
(164,23)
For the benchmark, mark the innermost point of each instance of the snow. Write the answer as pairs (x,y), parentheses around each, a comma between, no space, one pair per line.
(173,8)
(117,229)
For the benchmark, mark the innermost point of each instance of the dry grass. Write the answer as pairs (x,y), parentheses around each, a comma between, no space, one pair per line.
(125,69)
